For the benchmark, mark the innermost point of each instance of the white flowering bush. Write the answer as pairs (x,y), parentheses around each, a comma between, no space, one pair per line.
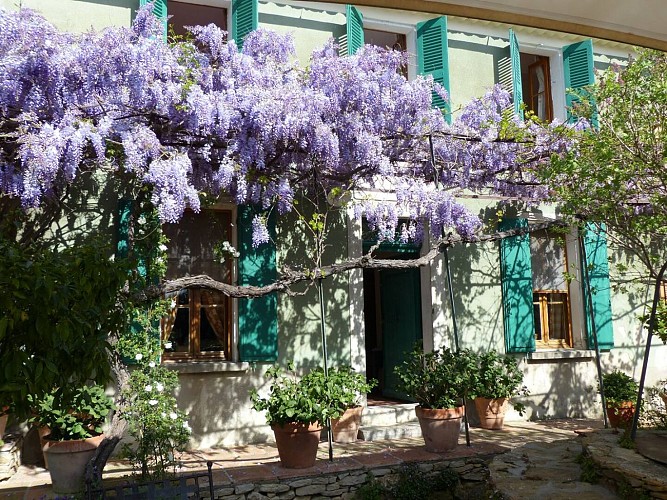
(158,427)
(224,250)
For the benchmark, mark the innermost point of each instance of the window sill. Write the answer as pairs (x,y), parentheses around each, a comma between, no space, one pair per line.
(558,354)
(192,366)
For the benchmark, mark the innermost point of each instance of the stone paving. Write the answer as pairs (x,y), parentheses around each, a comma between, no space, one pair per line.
(530,460)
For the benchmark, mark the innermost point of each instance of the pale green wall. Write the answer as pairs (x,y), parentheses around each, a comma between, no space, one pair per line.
(311,28)
(473,65)
(80,15)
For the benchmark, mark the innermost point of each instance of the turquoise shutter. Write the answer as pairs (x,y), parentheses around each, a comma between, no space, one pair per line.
(354,29)
(123,228)
(245,18)
(517,89)
(578,68)
(159,11)
(597,272)
(258,317)
(432,55)
(517,287)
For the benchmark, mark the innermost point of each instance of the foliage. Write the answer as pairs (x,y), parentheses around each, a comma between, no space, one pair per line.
(654,414)
(345,388)
(616,173)
(292,399)
(199,116)
(76,414)
(590,471)
(438,379)
(158,427)
(619,387)
(372,489)
(56,310)
(498,377)
(412,484)
(660,327)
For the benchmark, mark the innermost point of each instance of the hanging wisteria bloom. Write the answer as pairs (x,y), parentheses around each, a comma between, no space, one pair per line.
(201,116)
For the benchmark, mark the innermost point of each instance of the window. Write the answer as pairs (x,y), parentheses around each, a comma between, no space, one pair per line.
(385,39)
(551,304)
(200,322)
(536,83)
(191,14)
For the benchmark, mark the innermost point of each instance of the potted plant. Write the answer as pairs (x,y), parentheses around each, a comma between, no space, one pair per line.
(497,380)
(75,420)
(438,381)
(295,410)
(345,388)
(620,392)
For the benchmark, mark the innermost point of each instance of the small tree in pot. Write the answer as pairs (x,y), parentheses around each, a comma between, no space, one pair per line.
(498,379)
(345,388)
(296,410)
(75,420)
(620,392)
(438,381)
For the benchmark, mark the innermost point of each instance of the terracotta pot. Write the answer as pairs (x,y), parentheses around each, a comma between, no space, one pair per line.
(297,444)
(491,412)
(67,462)
(620,414)
(346,428)
(441,427)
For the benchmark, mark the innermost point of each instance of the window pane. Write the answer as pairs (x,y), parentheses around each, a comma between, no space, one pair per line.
(537,317)
(557,312)
(191,243)
(547,255)
(188,14)
(213,328)
(180,332)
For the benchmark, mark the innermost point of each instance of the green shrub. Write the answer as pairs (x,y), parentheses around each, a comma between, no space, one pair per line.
(619,387)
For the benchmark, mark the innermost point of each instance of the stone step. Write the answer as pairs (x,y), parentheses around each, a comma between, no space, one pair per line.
(386,415)
(396,431)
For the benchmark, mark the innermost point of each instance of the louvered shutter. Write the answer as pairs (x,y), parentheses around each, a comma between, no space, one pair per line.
(517,89)
(354,30)
(597,273)
(433,59)
(245,18)
(258,317)
(578,68)
(159,11)
(517,288)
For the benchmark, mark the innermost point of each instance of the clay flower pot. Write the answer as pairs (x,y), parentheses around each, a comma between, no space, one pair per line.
(440,427)
(67,462)
(346,428)
(620,414)
(491,412)
(297,444)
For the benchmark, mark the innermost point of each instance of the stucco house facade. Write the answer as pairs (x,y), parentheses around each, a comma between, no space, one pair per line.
(510,295)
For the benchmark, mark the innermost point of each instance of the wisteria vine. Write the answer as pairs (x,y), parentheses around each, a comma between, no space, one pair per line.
(201,116)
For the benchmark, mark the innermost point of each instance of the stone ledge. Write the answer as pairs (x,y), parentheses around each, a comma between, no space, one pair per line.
(206,366)
(558,354)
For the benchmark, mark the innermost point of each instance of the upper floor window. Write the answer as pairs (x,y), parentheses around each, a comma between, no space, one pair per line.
(192,14)
(386,39)
(200,322)
(536,82)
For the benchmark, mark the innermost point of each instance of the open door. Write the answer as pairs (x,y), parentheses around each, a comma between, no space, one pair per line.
(393,324)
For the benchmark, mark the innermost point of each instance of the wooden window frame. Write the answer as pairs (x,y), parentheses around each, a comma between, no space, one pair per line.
(194,308)
(542,301)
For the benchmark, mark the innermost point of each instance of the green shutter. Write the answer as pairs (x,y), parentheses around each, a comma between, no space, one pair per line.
(245,18)
(597,272)
(578,68)
(517,288)
(517,89)
(159,11)
(123,228)
(432,55)
(258,317)
(354,29)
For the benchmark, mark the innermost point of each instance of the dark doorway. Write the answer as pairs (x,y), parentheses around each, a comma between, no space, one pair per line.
(392,312)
